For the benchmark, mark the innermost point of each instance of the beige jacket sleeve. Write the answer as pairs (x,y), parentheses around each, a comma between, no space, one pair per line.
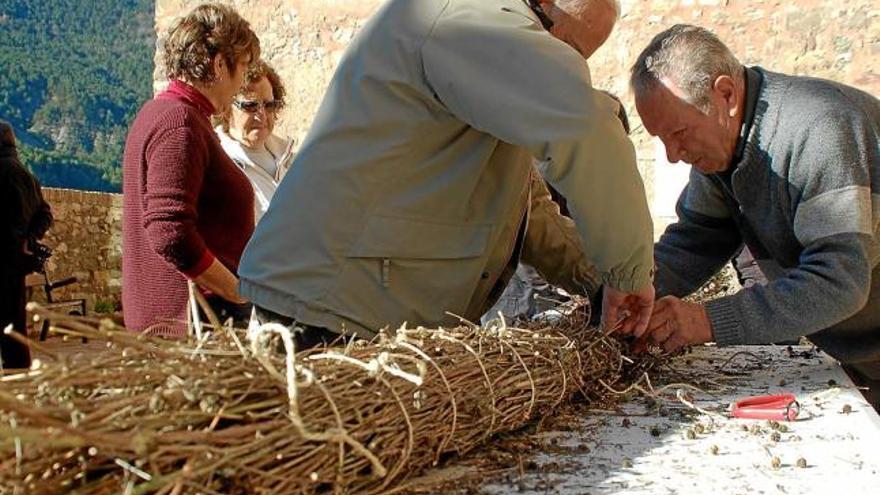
(552,245)
(507,76)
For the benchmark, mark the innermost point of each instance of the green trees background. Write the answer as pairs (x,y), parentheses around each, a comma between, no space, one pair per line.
(73,74)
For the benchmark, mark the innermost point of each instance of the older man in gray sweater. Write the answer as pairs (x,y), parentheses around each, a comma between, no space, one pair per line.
(786,166)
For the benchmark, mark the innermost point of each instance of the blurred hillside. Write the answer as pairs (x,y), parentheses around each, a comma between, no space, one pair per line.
(73,74)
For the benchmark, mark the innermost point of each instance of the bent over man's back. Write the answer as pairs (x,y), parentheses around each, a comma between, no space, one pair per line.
(409,196)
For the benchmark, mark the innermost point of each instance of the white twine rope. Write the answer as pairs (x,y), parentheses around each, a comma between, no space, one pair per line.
(260,339)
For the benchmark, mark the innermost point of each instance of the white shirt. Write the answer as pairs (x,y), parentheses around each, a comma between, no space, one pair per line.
(264,159)
(260,166)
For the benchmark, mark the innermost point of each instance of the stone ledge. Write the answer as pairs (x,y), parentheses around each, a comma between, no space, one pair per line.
(53,194)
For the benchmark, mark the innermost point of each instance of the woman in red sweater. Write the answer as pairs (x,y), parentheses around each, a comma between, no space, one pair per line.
(188,210)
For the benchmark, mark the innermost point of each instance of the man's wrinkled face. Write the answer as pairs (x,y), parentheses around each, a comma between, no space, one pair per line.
(705,140)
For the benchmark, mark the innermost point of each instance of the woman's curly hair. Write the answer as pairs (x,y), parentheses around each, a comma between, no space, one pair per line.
(194,40)
(261,69)
(257,71)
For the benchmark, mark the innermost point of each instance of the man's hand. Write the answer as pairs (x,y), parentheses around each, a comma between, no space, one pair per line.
(675,324)
(627,312)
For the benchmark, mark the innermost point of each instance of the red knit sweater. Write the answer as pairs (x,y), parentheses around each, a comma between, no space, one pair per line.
(185,203)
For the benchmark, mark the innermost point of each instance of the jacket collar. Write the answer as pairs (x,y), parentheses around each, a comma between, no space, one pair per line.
(536,8)
(752,114)
(274,144)
(753,90)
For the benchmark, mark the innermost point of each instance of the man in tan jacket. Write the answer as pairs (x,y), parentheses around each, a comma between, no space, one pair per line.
(413,197)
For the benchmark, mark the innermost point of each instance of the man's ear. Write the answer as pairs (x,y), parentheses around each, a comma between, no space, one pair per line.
(725,87)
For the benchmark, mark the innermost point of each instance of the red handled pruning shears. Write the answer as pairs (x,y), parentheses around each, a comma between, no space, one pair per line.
(781,407)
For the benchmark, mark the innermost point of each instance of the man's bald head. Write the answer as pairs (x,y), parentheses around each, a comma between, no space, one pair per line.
(582,7)
(584,24)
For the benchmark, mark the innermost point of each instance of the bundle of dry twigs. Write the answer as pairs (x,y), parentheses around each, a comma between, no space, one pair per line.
(227,415)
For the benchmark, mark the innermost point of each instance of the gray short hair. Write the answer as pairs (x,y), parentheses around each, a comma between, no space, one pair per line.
(691,57)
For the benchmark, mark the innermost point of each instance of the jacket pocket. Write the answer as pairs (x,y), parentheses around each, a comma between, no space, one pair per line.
(402,270)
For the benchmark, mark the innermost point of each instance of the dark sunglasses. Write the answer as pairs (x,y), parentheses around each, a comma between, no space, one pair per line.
(254,106)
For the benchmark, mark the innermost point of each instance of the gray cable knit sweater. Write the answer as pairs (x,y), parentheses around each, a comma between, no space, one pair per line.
(805,198)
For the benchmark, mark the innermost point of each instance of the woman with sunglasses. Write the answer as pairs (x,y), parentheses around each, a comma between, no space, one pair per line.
(183,226)
(245,132)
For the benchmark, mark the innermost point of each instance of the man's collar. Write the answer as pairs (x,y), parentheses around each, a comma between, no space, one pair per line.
(535,7)
(753,80)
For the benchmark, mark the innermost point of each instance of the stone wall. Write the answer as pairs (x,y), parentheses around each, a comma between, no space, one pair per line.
(304,39)
(86,239)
